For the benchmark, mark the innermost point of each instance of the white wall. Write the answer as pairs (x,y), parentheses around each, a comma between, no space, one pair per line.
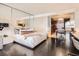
(41,24)
(77,19)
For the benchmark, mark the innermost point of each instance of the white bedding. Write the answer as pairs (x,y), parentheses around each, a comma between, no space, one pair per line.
(31,40)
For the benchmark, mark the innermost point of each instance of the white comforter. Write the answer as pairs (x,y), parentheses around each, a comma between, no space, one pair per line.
(31,40)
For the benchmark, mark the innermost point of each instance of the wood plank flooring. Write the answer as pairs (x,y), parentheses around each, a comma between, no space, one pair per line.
(47,48)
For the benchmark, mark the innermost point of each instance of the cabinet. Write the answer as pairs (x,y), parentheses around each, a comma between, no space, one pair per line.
(53,26)
(1,42)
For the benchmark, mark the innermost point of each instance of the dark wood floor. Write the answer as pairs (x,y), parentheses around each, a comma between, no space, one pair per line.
(47,48)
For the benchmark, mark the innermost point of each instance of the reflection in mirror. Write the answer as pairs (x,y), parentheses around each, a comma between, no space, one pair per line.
(15,18)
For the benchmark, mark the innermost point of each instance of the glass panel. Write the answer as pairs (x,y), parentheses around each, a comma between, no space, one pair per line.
(31,21)
(14,18)
(5,17)
(20,18)
(5,13)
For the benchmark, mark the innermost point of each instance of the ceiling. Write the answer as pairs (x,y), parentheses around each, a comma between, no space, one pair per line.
(68,15)
(39,8)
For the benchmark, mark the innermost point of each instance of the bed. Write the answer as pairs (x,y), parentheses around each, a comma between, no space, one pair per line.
(30,39)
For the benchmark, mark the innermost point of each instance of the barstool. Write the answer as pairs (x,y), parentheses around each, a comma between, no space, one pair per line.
(60,36)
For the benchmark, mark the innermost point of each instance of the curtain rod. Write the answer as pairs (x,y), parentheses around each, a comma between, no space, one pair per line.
(16,9)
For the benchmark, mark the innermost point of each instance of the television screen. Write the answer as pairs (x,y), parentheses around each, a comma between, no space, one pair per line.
(4,24)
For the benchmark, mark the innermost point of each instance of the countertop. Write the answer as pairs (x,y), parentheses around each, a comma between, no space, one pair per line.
(76,33)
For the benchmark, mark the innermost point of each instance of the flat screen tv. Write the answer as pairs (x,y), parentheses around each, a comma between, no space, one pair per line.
(4,25)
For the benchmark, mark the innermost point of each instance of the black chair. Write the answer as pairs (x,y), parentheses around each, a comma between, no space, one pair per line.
(60,37)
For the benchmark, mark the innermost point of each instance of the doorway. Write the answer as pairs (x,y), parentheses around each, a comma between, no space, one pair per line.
(64,22)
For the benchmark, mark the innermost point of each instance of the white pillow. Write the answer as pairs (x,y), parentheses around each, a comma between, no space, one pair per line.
(29,29)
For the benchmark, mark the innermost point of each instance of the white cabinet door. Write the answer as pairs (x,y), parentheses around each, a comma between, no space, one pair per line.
(1,46)
(1,42)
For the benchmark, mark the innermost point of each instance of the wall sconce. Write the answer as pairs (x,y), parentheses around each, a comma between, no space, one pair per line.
(22,25)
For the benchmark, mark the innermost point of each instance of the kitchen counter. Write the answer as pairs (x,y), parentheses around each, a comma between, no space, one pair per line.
(75,39)
(76,34)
